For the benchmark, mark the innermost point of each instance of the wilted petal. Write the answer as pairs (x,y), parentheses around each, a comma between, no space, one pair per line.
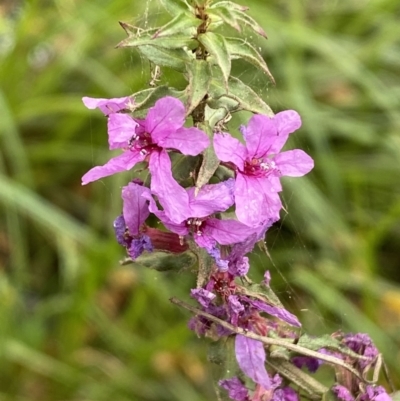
(254,203)
(121,128)
(227,232)
(211,198)
(119,229)
(342,393)
(139,245)
(222,264)
(250,355)
(236,389)
(285,394)
(202,296)
(235,307)
(173,198)
(167,116)
(124,161)
(108,106)
(294,163)
(135,208)
(229,149)
(259,135)
(189,141)
(280,313)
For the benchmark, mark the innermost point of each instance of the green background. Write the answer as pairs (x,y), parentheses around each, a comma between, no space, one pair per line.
(74,324)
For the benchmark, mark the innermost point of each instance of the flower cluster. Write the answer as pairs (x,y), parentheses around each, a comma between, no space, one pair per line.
(224,219)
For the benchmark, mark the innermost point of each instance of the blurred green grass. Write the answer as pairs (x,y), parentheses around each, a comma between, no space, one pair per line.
(74,324)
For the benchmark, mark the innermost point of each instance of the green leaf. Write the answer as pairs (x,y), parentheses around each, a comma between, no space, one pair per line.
(250,22)
(173,58)
(224,365)
(229,5)
(210,161)
(216,47)
(182,166)
(175,7)
(199,72)
(243,97)
(147,97)
(247,98)
(182,23)
(165,261)
(296,376)
(215,116)
(170,42)
(225,15)
(239,48)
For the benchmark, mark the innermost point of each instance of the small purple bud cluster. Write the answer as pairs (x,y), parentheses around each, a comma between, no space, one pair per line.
(200,218)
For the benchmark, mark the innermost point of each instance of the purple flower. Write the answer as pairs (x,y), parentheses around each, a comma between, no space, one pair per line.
(280,313)
(260,164)
(108,106)
(202,296)
(127,226)
(285,394)
(375,393)
(134,244)
(237,391)
(238,262)
(147,140)
(207,231)
(342,393)
(250,355)
(362,344)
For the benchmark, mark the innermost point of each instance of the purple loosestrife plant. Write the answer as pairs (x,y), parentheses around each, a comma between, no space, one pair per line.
(215,196)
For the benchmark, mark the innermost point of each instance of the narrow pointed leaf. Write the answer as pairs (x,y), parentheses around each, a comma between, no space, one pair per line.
(210,161)
(215,45)
(297,377)
(175,7)
(170,42)
(132,30)
(147,97)
(247,98)
(239,48)
(215,116)
(250,22)
(199,72)
(229,5)
(225,15)
(173,58)
(182,23)
(243,96)
(165,261)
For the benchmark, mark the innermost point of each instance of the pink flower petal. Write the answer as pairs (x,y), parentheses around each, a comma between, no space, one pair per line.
(250,355)
(287,122)
(294,163)
(167,116)
(173,198)
(259,135)
(227,232)
(108,106)
(229,149)
(189,141)
(123,162)
(255,204)
(211,198)
(135,208)
(121,128)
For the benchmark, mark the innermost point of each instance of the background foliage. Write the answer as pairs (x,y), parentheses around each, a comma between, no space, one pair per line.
(74,324)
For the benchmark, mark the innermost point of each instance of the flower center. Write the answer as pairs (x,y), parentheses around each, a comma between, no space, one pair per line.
(196,225)
(262,167)
(142,143)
